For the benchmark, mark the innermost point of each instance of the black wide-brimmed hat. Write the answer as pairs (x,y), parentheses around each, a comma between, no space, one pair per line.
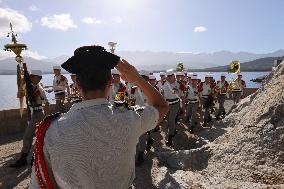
(90,58)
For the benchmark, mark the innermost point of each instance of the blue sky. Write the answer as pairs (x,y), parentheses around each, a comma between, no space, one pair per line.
(53,28)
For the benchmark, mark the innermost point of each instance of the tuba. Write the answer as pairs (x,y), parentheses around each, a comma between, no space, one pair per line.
(180,67)
(234,67)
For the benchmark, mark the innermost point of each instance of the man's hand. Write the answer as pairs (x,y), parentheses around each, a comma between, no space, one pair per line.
(155,99)
(128,72)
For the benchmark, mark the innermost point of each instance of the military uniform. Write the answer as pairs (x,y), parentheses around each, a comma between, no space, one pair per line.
(37,115)
(239,86)
(222,88)
(206,90)
(161,82)
(192,106)
(74,93)
(60,84)
(171,94)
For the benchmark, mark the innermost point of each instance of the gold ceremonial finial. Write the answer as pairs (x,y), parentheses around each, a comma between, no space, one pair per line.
(112,46)
(21,67)
(15,46)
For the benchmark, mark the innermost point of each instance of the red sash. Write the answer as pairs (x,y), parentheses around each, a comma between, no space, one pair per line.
(39,163)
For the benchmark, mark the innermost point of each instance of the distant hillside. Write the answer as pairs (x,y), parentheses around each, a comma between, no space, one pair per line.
(154,61)
(258,65)
(8,66)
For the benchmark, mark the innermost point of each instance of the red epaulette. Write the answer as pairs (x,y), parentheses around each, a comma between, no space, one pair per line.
(133,89)
(39,163)
(63,78)
(182,87)
(200,87)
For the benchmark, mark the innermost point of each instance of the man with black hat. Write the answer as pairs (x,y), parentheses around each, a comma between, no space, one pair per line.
(39,107)
(93,144)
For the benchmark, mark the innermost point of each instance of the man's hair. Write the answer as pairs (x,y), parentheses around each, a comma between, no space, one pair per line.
(94,80)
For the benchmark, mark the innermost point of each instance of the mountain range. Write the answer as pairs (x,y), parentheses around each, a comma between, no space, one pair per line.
(149,60)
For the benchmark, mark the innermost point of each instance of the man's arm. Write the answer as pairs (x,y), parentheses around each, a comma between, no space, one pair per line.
(46,109)
(155,99)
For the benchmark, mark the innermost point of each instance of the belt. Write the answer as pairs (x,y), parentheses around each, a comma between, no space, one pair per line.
(37,108)
(193,101)
(59,92)
(236,90)
(173,101)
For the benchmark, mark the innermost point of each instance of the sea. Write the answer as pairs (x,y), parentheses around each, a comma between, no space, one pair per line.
(8,85)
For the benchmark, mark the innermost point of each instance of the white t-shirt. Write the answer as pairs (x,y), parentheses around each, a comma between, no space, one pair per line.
(94,144)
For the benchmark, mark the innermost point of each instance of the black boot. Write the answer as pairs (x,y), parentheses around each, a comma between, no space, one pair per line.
(150,142)
(20,162)
(170,140)
(191,130)
(205,123)
(140,159)
(32,160)
(156,129)
(218,116)
(209,119)
(224,113)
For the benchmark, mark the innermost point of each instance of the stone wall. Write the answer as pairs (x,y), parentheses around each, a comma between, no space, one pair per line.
(11,121)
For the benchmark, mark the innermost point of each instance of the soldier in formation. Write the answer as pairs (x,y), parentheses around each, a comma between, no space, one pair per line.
(39,107)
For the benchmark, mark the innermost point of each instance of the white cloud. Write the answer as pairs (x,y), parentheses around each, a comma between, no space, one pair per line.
(19,21)
(33,8)
(58,21)
(200,29)
(91,20)
(117,20)
(31,54)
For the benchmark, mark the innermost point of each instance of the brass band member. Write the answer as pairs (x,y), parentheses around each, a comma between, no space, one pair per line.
(221,89)
(171,92)
(193,103)
(39,109)
(118,89)
(74,91)
(238,88)
(60,85)
(206,90)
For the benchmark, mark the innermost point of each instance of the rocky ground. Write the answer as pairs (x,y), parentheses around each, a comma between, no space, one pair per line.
(244,150)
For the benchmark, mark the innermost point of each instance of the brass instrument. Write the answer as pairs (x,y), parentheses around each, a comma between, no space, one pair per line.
(119,96)
(234,67)
(180,67)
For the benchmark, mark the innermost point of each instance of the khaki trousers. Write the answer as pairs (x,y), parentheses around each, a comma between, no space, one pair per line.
(30,131)
(171,116)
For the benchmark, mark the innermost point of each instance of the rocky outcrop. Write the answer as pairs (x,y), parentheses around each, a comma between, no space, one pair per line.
(250,154)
